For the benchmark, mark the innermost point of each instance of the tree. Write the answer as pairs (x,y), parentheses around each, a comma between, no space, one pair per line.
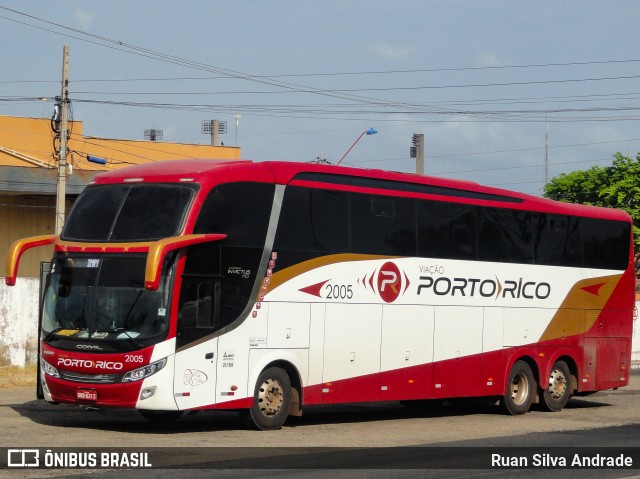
(615,186)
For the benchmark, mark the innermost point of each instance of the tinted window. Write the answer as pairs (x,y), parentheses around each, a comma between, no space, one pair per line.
(504,236)
(151,212)
(128,212)
(239,210)
(557,240)
(446,230)
(606,243)
(313,220)
(402,186)
(94,213)
(199,310)
(382,225)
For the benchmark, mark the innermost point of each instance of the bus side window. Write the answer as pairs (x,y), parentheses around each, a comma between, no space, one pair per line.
(200,305)
(557,240)
(382,225)
(199,312)
(447,230)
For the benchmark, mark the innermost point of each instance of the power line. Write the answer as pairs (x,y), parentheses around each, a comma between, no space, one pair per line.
(334,74)
(358,90)
(305,109)
(292,87)
(147,53)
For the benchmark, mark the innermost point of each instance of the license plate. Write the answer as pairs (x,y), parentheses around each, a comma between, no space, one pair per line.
(86,394)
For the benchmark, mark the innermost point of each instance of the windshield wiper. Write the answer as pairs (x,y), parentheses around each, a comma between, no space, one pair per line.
(56,330)
(126,333)
(51,333)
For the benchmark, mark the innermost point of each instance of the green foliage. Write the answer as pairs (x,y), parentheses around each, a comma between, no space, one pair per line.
(615,186)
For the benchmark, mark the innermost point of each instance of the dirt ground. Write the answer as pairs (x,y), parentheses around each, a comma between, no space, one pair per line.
(15,376)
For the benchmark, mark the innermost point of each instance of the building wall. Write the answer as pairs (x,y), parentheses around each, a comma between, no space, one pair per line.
(19,322)
(22,216)
(33,137)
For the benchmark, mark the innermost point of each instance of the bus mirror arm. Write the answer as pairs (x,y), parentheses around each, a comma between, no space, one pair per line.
(15,252)
(159,250)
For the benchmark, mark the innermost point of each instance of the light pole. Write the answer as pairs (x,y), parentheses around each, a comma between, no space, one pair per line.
(370,131)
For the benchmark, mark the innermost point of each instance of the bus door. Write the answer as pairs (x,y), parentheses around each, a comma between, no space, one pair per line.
(196,350)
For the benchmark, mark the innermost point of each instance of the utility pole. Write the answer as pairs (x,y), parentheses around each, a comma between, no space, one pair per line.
(214,132)
(62,152)
(237,117)
(417,152)
(546,149)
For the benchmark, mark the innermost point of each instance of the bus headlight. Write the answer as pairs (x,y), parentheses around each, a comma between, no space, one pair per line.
(50,370)
(144,372)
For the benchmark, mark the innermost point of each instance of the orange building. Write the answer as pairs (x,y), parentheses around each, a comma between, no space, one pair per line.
(28,173)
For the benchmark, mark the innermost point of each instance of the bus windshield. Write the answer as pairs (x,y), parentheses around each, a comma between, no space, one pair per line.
(102,299)
(137,212)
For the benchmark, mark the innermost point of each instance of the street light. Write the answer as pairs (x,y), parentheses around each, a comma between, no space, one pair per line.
(370,131)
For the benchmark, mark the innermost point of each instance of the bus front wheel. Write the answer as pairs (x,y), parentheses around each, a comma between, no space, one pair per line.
(271,399)
(520,391)
(556,395)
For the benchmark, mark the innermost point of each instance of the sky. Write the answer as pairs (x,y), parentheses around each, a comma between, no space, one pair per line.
(484,81)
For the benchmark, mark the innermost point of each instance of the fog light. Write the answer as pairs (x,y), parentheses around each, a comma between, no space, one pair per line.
(146,393)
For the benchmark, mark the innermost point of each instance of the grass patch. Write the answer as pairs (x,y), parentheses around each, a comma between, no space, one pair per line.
(16,376)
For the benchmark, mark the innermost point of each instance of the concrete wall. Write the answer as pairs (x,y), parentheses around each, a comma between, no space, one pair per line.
(19,322)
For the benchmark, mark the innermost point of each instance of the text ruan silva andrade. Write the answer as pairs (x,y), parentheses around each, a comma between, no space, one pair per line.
(551,461)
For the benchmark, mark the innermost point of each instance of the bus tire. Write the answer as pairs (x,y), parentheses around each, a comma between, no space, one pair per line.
(558,391)
(521,388)
(271,399)
(161,417)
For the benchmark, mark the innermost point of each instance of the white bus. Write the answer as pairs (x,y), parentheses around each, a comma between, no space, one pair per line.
(268,287)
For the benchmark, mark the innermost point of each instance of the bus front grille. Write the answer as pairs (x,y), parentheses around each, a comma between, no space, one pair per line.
(89,378)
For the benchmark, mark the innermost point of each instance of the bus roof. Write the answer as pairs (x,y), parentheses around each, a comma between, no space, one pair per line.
(208,172)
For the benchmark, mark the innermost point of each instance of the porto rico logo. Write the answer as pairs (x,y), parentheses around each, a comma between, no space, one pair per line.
(388,282)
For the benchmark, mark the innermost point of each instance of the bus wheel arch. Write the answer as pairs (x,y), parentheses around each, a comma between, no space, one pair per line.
(560,384)
(520,388)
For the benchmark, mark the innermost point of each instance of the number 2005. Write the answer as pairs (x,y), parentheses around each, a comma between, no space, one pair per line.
(339,291)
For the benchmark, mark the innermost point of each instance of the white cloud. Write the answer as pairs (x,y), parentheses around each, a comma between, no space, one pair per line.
(83,18)
(389,51)
(490,59)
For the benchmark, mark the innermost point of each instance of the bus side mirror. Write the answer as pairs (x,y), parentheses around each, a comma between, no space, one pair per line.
(15,252)
(159,250)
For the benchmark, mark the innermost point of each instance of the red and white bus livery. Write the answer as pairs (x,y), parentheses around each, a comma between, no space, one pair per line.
(204,284)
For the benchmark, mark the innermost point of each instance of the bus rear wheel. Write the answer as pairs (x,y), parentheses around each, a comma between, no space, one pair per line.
(558,391)
(520,391)
(271,399)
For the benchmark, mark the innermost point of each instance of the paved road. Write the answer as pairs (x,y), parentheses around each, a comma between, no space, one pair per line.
(610,418)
